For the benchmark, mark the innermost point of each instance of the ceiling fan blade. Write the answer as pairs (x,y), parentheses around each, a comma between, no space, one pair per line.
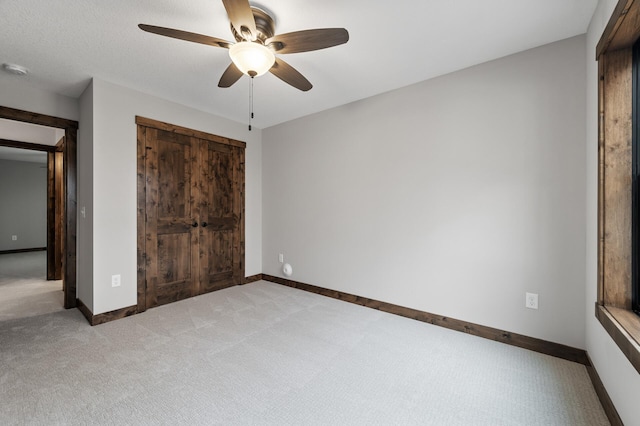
(230,76)
(290,75)
(307,40)
(241,18)
(185,35)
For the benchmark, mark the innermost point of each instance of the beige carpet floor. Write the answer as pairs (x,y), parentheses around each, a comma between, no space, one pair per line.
(264,354)
(24,290)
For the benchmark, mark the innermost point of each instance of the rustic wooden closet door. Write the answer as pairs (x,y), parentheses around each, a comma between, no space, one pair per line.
(171,217)
(221,213)
(190,213)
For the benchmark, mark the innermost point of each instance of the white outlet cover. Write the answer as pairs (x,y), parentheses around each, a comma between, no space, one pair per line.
(531,300)
(115,280)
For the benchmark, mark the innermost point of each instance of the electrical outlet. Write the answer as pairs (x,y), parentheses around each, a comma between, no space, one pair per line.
(281,258)
(14,238)
(531,301)
(115,280)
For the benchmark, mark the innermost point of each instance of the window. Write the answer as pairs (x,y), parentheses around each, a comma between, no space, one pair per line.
(618,295)
(635,188)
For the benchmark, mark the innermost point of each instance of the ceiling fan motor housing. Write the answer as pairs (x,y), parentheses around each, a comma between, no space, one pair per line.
(264,24)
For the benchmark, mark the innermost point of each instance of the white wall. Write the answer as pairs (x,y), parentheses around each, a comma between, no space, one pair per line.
(114,184)
(26,132)
(454,196)
(621,380)
(84,254)
(18,93)
(23,204)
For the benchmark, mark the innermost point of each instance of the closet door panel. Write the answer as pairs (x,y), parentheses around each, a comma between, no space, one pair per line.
(172,239)
(219,251)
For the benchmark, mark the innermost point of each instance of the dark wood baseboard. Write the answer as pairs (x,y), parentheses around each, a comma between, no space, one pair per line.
(253,278)
(85,311)
(26,250)
(114,315)
(603,396)
(519,340)
(107,316)
(133,310)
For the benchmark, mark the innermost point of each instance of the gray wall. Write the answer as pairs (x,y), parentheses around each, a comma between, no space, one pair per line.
(454,196)
(23,205)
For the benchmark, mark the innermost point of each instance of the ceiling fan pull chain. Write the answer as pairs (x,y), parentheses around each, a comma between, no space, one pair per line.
(250,102)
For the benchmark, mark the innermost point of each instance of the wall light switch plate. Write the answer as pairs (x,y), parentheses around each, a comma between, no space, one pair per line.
(531,301)
(115,280)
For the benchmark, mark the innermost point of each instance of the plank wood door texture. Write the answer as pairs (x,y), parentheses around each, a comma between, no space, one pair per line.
(194,213)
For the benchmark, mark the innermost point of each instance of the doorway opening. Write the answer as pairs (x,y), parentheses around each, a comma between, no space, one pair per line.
(27,287)
(61,221)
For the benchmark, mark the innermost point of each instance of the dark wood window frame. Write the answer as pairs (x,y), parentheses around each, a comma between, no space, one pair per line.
(614,54)
(635,191)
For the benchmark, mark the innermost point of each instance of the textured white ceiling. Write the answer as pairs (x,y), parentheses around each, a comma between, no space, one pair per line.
(392,44)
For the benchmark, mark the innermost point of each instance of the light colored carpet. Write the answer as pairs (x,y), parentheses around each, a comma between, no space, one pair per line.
(264,354)
(24,290)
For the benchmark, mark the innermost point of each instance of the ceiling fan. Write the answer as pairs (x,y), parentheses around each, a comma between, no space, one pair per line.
(254,52)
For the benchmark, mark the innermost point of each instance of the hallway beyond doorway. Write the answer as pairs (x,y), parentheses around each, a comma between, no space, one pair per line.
(24,290)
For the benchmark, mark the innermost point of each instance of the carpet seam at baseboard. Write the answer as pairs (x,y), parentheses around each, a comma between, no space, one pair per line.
(502,336)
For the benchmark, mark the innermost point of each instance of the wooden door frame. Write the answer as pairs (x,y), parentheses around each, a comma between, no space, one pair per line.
(55,211)
(70,128)
(142,123)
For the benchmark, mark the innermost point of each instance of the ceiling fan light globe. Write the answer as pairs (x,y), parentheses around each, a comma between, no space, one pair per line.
(252,57)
